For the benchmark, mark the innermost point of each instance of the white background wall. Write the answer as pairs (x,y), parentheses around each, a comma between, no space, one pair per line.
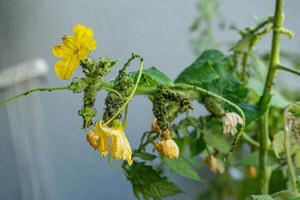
(158,30)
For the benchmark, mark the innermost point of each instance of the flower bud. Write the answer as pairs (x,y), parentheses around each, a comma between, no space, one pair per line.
(230,121)
(251,172)
(211,161)
(167,146)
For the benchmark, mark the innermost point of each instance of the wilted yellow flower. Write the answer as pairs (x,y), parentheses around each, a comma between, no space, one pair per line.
(119,147)
(93,139)
(167,146)
(230,121)
(103,139)
(73,49)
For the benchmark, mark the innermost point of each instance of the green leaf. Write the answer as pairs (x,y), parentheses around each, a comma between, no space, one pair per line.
(149,183)
(285,195)
(218,141)
(181,167)
(213,71)
(278,100)
(152,77)
(201,71)
(282,195)
(144,155)
(196,144)
(197,74)
(278,144)
(251,111)
(278,181)
(261,197)
(227,85)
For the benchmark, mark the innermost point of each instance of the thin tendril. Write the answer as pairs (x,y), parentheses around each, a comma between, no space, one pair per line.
(31,91)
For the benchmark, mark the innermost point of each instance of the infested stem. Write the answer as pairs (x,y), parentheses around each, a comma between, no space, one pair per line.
(130,96)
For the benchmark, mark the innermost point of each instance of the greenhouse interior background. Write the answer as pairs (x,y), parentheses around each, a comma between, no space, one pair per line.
(43,151)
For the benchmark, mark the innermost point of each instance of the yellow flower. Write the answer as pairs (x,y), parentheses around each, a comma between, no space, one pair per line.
(73,50)
(119,147)
(93,139)
(103,139)
(167,146)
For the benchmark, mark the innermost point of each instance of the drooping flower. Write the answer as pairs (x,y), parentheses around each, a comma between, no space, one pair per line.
(230,121)
(119,146)
(167,146)
(73,50)
(98,140)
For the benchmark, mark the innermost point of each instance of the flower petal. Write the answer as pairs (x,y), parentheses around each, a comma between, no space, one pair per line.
(62,51)
(65,68)
(120,148)
(81,30)
(70,41)
(103,143)
(83,53)
(89,43)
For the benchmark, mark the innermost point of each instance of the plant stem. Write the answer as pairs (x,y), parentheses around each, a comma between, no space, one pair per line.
(31,91)
(288,155)
(284,68)
(265,171)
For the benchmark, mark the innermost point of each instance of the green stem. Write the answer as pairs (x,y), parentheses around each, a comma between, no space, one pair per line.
(244,66)
(265,171)
(291,169)
(284,68)
(130,96)
(31,91)
(250,140)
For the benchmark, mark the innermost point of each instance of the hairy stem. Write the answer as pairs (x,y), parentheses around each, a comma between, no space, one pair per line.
(265,171)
